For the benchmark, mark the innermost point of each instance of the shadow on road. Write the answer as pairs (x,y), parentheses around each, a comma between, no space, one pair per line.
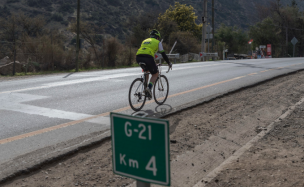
(159,111)
(68,75)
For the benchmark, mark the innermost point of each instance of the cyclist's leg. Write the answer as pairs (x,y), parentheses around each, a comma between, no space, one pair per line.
(147,79)
(153,70)
(153,78)
(151,67)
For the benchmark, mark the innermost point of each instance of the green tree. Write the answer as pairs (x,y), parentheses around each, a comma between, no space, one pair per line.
(235,38)
(184,16)
(265,32)
(287,22)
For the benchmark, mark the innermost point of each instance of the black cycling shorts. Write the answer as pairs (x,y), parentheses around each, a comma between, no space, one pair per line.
(149,61)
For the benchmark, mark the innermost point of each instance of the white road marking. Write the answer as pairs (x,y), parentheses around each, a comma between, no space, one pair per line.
(70,82)
(78,81)
(13,102)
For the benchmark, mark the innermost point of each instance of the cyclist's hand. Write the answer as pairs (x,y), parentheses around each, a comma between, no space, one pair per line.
(170,65)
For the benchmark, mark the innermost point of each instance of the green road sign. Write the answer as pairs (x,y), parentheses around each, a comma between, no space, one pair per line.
(141,148)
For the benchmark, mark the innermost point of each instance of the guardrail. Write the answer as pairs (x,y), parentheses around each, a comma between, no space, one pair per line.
(158,56)
(204,55)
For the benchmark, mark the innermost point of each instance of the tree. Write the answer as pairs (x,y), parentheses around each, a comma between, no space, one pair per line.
(265,32)
(286,22)
(10,32)
(293,3)
(183,16)
(89,32)
(235,38)
(166,27)
(142,26)
(186,42)
(31,26)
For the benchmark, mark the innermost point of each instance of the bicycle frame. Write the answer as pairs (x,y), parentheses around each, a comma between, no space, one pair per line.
(140,94)
(144,82)
(159,75)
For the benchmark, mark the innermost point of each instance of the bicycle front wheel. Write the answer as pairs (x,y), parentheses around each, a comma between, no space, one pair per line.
(137,96)
(161,90)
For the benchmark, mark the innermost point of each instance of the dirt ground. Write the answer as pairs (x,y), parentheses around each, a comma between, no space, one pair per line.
(276,160)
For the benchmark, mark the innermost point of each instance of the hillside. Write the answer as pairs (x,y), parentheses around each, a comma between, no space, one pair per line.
(114,14)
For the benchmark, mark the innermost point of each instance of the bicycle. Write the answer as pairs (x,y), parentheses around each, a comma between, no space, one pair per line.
(138,95)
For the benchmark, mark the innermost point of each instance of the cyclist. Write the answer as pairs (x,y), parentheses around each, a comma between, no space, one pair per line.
(146,54)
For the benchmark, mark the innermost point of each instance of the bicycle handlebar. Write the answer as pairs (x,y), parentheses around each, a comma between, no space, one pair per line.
(165,65)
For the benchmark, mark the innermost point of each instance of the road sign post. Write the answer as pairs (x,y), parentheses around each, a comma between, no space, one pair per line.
(141,149)
(294,41)
(209,29)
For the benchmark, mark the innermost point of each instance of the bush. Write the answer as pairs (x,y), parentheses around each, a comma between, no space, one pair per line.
(66,8)
(127,56)
(4,11)
(114,2)
(57,17)
(186,43)
(46,4)
(12,1)
(112,49)
(152,2)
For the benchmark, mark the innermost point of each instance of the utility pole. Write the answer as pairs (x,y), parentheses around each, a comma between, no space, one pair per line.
(213,27)
(52,50)
(204,20)
(103,49)
(285,23)
(77,39)
(14,65)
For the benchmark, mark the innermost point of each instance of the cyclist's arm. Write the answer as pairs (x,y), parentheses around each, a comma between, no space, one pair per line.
(162,52)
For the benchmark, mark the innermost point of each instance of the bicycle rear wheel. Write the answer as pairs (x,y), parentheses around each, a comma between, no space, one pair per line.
(161,90)
(137,96)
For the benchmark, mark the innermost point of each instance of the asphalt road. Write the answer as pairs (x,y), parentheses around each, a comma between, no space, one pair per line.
(62,111)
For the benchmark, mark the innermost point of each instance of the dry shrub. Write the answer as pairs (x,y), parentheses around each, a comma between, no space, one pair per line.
(186,43)
(88,58)
(127,56)
(49,55)
(113,47)
(70,59)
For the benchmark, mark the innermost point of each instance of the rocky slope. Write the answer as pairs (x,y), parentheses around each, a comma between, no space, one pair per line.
(114,14)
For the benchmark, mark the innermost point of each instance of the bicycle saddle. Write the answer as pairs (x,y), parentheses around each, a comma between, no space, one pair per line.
(143,66)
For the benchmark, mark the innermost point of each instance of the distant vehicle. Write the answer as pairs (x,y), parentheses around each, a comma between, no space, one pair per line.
(240,56)
(235,56)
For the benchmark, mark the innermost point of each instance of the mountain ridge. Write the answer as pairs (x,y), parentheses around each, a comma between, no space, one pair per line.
(114,14)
